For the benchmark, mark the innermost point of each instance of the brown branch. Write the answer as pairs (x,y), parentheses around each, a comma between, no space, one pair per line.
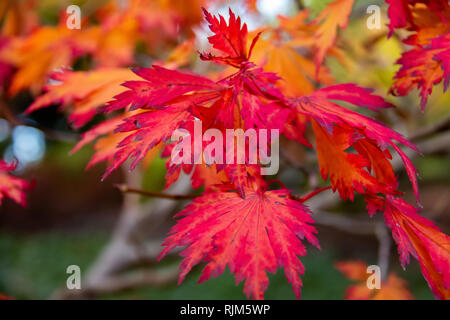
(124,188)
(344,223)
(384,248)
(431,129)
(308,171)
(131,245)
(117,284)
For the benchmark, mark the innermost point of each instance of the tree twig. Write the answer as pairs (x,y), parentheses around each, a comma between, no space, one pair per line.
(49,134)
(310,195)
(431,129)
(120,283)
(124,188)
(127,248)
(344,223)
(384,248)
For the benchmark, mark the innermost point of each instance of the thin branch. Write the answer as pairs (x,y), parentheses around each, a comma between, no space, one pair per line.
(124,188)
(310,195)
(384,248)
(309,173)
(127,248)
(116,284)
(431,129)
(49,133)
(281,184)
(344,223)
(435,144)
(314,193)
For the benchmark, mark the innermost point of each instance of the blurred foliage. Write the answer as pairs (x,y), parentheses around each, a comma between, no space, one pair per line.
(25,258)
(34,265)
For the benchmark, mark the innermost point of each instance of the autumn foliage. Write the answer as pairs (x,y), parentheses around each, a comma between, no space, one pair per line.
(241,220)
(426,64)
(394,288)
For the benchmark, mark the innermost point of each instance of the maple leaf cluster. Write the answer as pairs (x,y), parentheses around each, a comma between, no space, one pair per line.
(109,44)
(240,222)
(426,64)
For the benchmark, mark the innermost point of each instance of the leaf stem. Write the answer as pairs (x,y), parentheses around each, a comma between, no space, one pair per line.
(310,195)
(277,181)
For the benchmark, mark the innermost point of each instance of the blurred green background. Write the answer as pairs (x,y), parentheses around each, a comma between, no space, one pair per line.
(33,266)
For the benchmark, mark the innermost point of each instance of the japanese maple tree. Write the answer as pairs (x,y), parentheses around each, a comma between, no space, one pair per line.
(240,223)
(243,220)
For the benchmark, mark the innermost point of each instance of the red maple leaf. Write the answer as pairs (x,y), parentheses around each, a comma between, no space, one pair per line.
(161,86)
(5,297)
(424,67)
(237,222)
(427,63)
(166,98)
(401,12)
(419,237)
(169,99)
(352,127)
(251,236)
(105,146)
(230,39)
(12,187)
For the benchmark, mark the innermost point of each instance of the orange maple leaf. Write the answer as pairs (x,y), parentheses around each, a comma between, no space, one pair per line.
(334,16)
(83,91)
(393,288)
